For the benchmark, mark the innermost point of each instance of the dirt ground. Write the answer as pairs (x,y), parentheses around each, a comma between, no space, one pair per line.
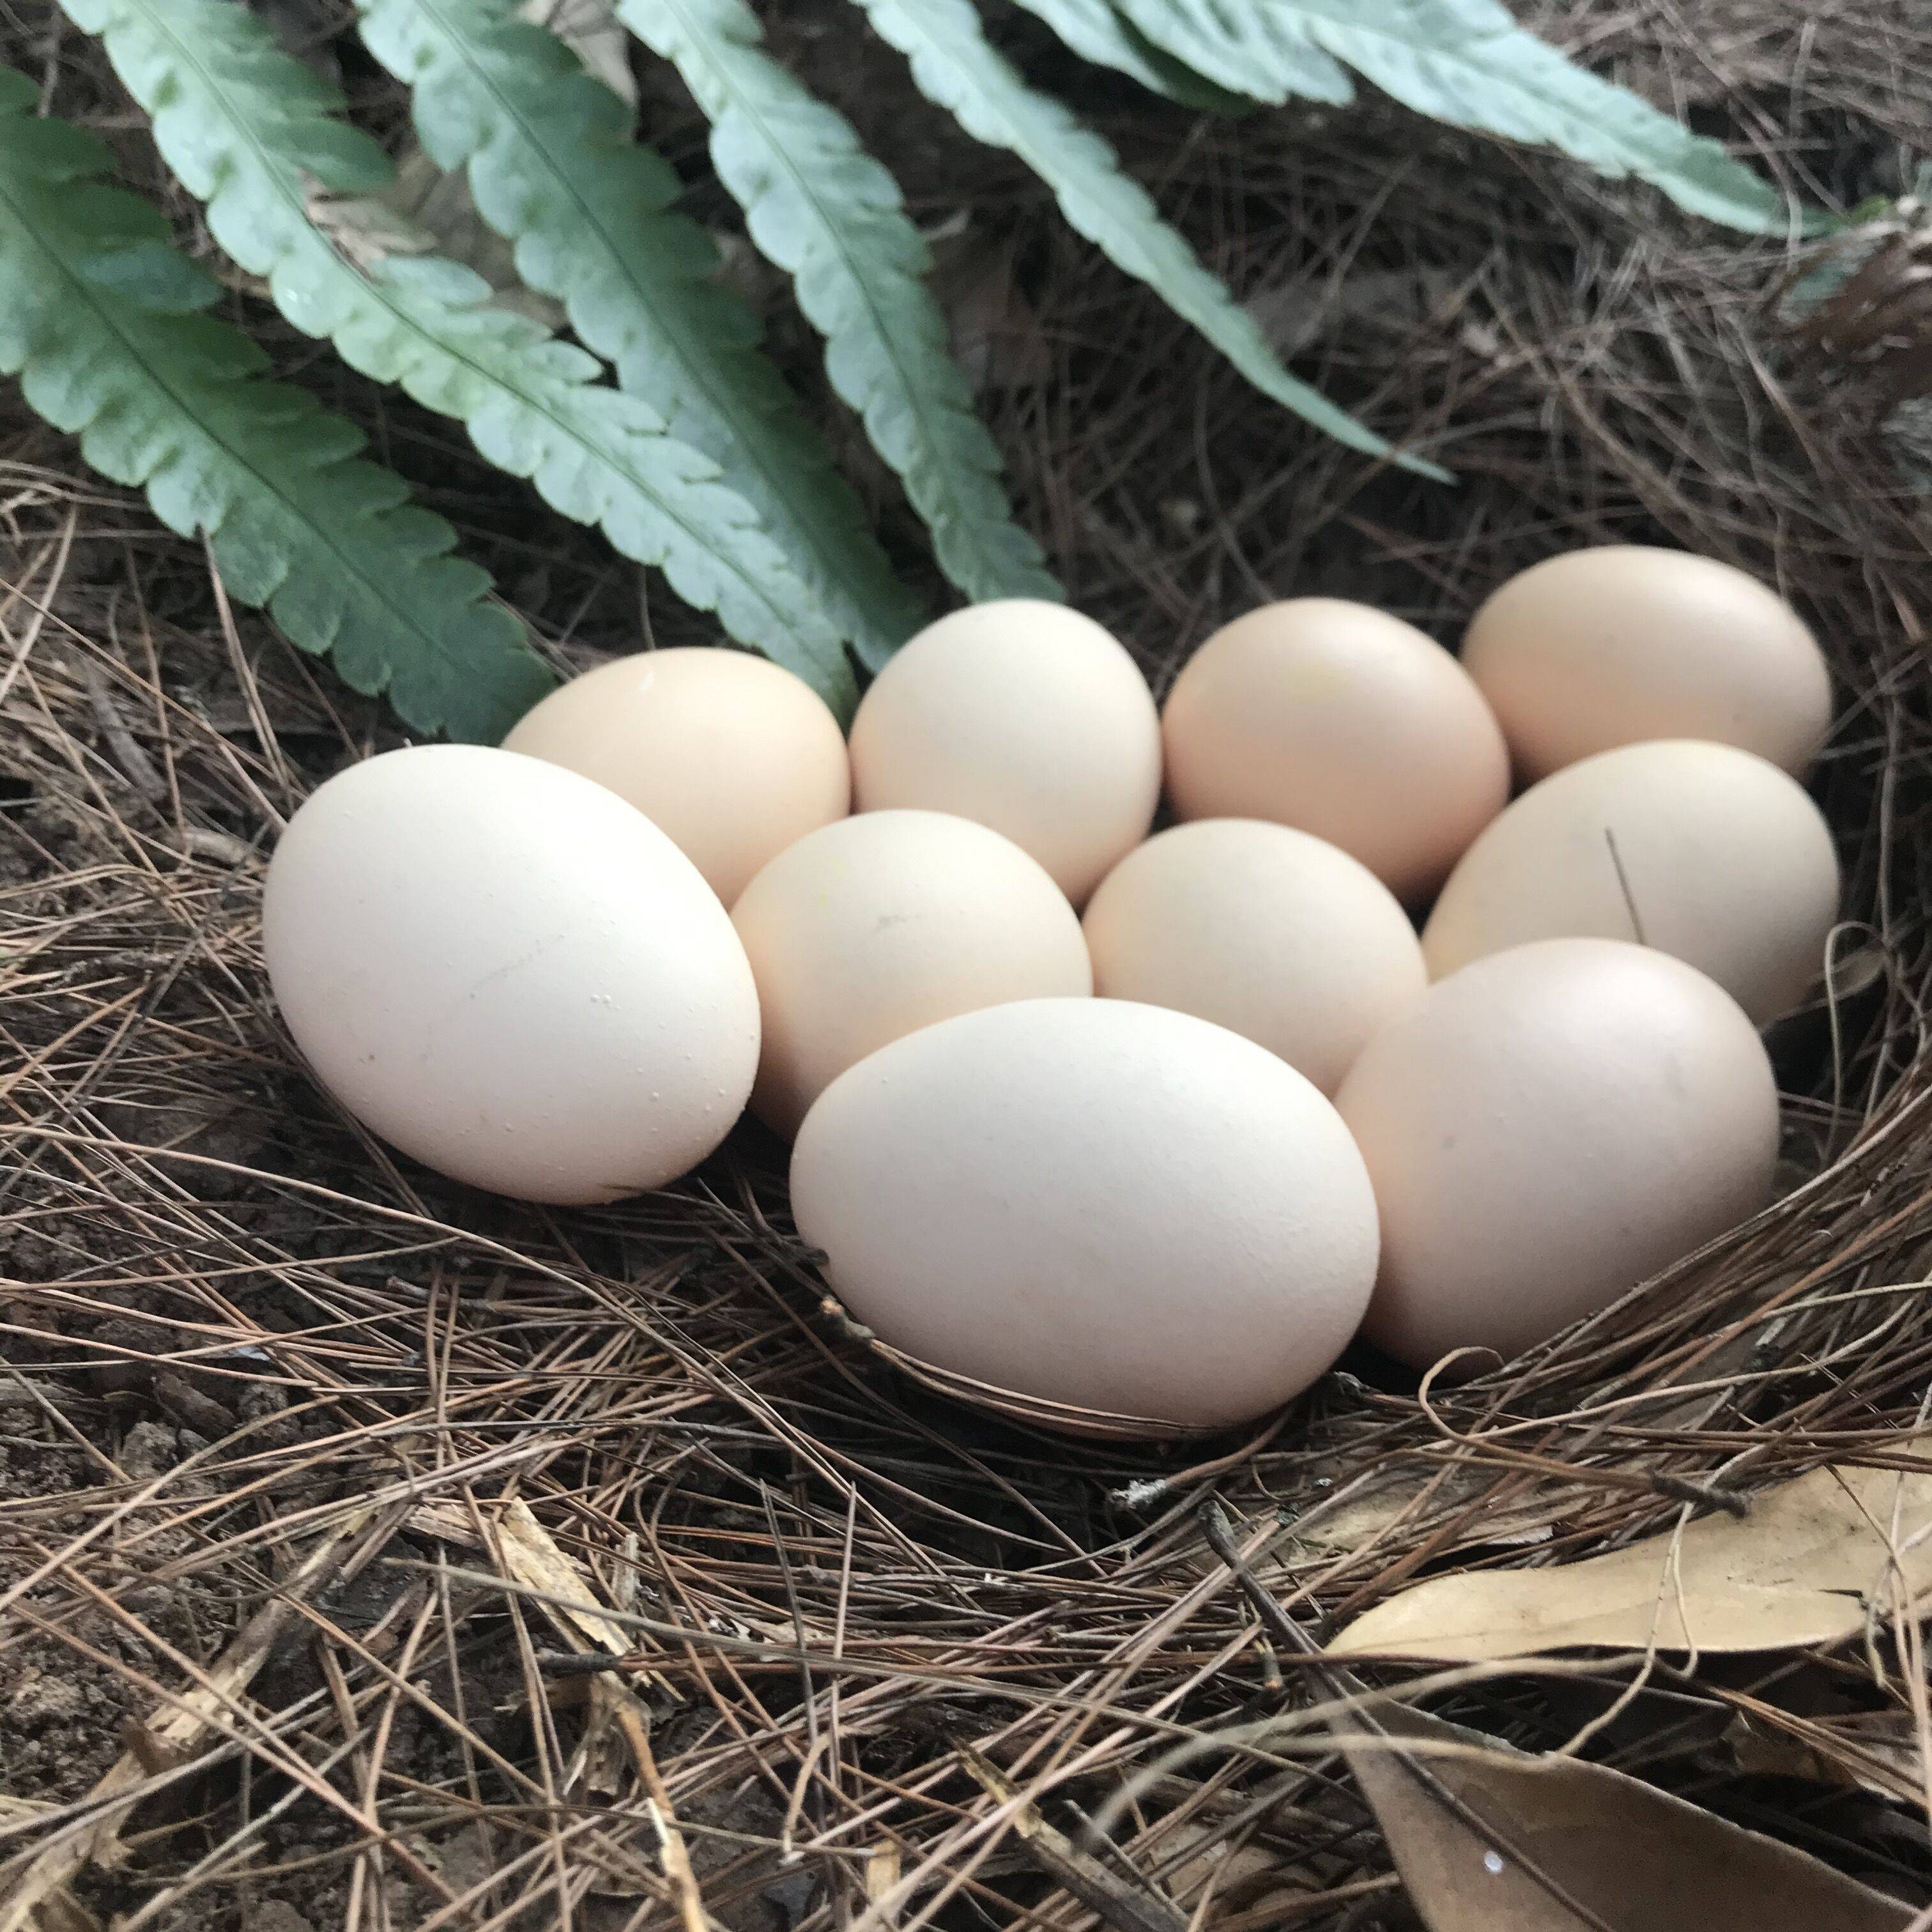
(302,1434)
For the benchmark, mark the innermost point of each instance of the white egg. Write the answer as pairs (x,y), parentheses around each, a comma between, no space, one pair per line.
(507,972)
(1126,1210)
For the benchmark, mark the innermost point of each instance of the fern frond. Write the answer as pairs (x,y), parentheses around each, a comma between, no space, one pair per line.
(821,207)
(553,170)
(1466,62)
(956,67)
(1097,32)
(1260,48)
(254,133)
(97,321)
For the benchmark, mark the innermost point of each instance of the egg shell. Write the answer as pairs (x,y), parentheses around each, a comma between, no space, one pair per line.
(509,974)
(1546,1130)
(1022,715)
(1705,852)
(1094,1203)
(1613,645)
(730,755)
(1342,721)
(873,928)
(1272,933)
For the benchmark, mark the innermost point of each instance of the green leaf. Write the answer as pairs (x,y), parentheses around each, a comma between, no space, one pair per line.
(822,208)
(253,133)
(955,67)
(1097,32)
(149,270)
(1466,62)
(553,170)
(175,403)
(1261,48)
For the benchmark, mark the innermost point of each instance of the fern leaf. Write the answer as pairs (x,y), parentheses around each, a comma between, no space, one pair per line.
(97,321)
(832,217)
(1466,62)
(254,133)
(553,170)
(1260,48)
(956,67)
(1095,31)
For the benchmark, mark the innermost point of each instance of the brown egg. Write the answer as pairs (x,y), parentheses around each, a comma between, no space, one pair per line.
(1699,850)
(730,755)
(1023,715)
(1546,1129)
(1610,646)
(880,924)
(1343,722)
(1272,933)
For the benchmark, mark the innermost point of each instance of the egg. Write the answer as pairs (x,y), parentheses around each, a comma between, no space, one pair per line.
(1603,647)
(1546,1130)
(1701,850)
(1272,933)
(730,755)
(503,969)
(1023,715)
(876,926)
(1341,720)
(1115,1208)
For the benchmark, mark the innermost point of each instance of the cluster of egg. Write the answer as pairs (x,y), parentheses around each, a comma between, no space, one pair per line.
(562,969)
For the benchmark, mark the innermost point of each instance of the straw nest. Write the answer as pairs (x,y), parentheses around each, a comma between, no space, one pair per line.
(298,1433)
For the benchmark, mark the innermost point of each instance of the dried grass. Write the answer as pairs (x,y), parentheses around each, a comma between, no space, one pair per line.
(884,1655)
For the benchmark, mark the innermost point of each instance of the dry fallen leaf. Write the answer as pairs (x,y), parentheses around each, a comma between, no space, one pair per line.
(1487,1838)
(882,1873)
(1878,1751)
(446,1522)
(424,212)
(1363,1516)
(1806,1566)
(1380,1514)
(1360,1515)
(528,1554)
(531,1557)
(1490,1840)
